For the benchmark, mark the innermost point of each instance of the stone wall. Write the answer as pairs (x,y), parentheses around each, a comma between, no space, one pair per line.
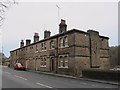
(102,75)
(81,63)
(82,39)
(69,50)
(70,70)
(94,48)
(104,53)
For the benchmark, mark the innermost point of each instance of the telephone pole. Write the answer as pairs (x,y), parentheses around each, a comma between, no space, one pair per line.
(1,47)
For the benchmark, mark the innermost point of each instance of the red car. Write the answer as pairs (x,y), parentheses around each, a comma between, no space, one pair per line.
(19,66)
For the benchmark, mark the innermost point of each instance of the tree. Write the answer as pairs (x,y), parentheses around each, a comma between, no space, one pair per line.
(114,55)
(2,58)
(4,5)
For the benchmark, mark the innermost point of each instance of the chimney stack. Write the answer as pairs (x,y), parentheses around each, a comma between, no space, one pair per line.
(28,41)
(36,37)
(46,34)
(62,26)
(22,43)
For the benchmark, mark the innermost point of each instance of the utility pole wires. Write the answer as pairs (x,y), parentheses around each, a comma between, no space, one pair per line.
(4,5)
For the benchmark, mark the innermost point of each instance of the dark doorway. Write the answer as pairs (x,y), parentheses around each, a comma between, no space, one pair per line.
(52,64)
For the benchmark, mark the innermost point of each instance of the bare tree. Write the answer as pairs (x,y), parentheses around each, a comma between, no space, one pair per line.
(114,55)
(4,5)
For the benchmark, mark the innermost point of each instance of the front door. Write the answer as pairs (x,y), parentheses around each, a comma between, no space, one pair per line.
(36,61)
(52,64)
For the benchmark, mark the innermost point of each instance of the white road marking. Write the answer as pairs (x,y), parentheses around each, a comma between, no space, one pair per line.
(44,85)
(7,72)
(20,77)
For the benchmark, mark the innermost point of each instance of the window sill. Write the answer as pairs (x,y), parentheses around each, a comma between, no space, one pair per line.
(67,46)
(62,67)
(43,50)
(43,66)
(52,49)
(36,51)
(64,47)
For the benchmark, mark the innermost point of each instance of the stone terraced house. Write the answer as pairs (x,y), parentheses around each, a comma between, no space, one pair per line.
(68,52)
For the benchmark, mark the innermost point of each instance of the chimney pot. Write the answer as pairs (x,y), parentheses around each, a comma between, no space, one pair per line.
(36,37)
(28,41)
(22,43)
(47,34)
(36,34)
(62,26)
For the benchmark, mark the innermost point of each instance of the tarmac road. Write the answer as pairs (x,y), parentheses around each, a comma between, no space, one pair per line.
(22,79)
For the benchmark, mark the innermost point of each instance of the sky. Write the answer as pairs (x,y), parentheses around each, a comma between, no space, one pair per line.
(26,18)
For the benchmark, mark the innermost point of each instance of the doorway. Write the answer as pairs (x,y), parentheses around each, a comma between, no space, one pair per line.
(52,64)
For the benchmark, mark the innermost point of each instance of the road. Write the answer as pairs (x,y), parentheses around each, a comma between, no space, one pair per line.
(23,79)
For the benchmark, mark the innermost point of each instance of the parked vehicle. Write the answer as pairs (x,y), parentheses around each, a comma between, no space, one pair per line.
(19,66)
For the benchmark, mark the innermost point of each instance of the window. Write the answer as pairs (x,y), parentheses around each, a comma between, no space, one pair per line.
(61,42)
(66,61)
(36,48)
(52,44)
(42,46)
(16,52)
(31,47)
(63,61)
(45,45)
(43,62)
(65,42)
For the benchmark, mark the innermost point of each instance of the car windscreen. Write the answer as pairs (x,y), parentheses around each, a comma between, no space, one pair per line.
(19,64)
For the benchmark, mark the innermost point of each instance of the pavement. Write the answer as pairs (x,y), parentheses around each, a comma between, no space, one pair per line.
(79,78)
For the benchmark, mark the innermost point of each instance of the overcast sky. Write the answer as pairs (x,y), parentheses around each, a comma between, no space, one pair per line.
(26,18)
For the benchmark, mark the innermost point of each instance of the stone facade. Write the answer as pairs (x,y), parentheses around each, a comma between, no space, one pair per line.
(68,52)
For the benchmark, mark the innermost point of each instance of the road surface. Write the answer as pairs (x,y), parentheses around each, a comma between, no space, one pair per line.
(23,79)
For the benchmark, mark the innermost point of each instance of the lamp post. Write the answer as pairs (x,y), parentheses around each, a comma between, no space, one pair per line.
(1,48)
